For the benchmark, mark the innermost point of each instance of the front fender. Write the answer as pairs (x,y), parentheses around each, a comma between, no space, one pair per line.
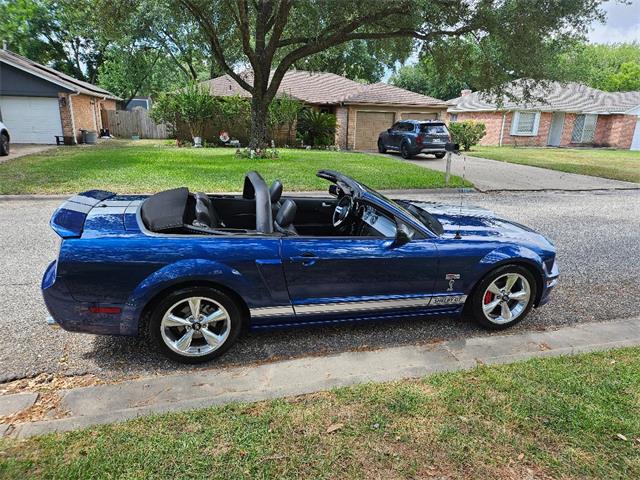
(511,254)
(173,274)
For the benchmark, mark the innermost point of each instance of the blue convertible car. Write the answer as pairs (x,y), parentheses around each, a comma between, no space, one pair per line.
(192,270)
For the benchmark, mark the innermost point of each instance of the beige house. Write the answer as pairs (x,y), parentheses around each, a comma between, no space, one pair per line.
(362,111)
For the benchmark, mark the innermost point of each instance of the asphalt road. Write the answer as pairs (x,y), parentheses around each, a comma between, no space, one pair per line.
(597,235)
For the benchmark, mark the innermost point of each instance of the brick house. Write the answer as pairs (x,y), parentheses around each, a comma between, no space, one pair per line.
(38,103)
(560,115)
(362,111)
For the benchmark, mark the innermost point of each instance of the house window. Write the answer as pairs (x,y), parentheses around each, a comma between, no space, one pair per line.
(525,124)
(584,128)
(453,117)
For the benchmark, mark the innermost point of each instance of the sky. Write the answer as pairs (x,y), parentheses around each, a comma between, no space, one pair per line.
(622,24)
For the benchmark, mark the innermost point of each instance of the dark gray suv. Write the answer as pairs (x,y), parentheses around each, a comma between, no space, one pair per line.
(411,137)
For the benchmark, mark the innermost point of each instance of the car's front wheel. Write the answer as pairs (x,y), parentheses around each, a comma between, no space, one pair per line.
(503,298)
(381,147)
(4,145)
(195,324)
(405,152)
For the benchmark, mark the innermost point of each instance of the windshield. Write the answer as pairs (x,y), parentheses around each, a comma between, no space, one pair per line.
(430,129)
(417,214)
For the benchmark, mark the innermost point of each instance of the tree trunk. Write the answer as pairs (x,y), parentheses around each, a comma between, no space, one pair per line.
(259,112)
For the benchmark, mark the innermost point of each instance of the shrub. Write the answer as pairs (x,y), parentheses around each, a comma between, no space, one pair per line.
(316,128)
(467,133)
(192,105)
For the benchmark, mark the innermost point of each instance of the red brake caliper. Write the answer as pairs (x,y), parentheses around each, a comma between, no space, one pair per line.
(488,298)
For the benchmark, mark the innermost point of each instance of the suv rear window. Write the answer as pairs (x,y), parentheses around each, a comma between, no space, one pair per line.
(437,129)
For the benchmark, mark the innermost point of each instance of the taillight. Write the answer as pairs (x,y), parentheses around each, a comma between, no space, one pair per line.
(419,139)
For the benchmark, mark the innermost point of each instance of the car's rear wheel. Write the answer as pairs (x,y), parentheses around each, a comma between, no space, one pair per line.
(195,324)
(440,155)
(4,145)
(381,147)
(503,298)
(405,152)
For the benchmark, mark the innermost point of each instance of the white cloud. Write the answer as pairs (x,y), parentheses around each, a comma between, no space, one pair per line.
(621,25)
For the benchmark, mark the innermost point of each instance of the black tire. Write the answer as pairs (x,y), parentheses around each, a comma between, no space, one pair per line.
(4,145)
(381,147)
(405,152)
(235,323)
(439,155)
(475,305)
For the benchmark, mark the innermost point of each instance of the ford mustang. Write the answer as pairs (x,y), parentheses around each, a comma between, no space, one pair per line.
(193,270)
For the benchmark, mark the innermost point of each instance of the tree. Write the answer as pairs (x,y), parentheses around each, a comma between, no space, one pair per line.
(360,60)
(275,34)
(63,34)
(607,67)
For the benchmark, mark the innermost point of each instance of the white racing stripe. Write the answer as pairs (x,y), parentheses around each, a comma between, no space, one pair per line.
(364,306)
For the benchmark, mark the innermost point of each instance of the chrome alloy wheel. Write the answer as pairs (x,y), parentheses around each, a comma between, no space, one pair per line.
(195,326)
(506,298)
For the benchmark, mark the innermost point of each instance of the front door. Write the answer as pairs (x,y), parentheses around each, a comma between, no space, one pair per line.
(350,277)
(555,131)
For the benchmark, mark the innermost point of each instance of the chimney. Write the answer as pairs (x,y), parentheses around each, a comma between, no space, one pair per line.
(465,92)
(4,44)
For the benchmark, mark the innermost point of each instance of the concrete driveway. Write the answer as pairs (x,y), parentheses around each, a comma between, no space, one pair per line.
(490,175)
(596,233)
(22,149)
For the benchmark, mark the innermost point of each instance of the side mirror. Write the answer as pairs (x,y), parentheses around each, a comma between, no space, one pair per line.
(389,130)
(403,236)
(452,147)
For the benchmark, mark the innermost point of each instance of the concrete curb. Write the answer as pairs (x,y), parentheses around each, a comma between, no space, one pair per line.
(117,402)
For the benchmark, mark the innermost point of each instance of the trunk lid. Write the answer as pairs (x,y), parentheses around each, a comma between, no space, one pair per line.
(69,218)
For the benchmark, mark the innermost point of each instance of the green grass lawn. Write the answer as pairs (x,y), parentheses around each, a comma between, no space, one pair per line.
(128,167)
(562,417)
(615,164)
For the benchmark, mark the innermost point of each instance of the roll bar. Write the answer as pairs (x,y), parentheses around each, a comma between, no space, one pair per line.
(256,187)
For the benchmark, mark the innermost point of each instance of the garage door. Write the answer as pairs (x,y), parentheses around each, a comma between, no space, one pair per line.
(368,127)
(31,119)
(419,116)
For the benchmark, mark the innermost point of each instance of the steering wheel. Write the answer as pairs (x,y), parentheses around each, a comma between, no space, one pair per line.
(342,211)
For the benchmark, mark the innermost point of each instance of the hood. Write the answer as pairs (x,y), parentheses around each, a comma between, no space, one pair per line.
(477,222)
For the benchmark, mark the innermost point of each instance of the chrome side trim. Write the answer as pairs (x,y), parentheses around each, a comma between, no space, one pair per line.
(279,311)
(369,305)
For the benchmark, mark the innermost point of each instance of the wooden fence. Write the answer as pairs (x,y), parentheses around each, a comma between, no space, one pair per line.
(123,123)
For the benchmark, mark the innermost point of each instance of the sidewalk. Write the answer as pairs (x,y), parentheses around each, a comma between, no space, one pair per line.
(116,402)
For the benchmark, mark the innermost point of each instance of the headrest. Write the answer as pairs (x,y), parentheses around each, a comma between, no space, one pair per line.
(286,213)
(203,210)
(165,210)
(275,191)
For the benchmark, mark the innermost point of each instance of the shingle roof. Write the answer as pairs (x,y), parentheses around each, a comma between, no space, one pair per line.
(54,76)
(554,96)
(326,89)
(384,93)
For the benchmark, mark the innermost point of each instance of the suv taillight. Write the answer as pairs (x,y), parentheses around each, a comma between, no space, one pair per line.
(419,139)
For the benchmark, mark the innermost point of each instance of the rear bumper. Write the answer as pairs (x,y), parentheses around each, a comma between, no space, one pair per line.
(71,315)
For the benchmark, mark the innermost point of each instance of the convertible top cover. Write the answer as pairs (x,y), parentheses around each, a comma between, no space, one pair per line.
(165,210)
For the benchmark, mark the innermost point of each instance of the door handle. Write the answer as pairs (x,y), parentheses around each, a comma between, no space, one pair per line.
(326,205)
(306,258)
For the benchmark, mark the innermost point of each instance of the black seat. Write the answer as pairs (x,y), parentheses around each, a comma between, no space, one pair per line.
(206,215)
(285,217)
